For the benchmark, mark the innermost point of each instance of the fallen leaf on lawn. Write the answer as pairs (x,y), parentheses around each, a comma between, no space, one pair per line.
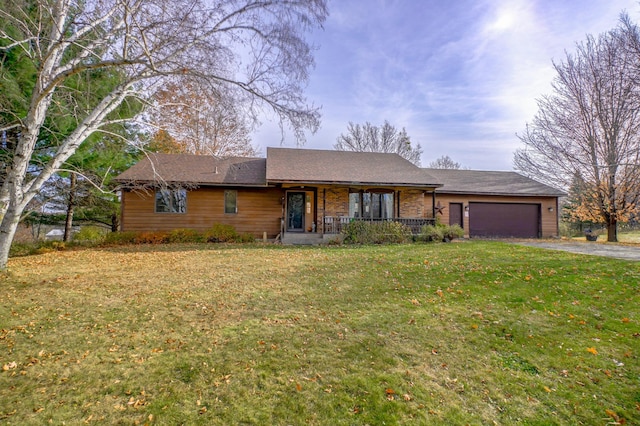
(592,351)
(389,391)
(546,389)
(298,387)
(406,397)
(625,320)
(619,420)
(9,366)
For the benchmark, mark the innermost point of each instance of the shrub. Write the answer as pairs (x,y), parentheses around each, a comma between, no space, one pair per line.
(151,238)
(246,238)
(50,246)
(221,233)
(185,236)
(90,234)
(453,231)
(440,232)
(120,238)
(362,232)
(432,232)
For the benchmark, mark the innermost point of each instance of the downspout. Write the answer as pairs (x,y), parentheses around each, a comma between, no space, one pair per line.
(557,218)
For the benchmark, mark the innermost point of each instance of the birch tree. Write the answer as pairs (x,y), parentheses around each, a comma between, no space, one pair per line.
(251,52)
(590,126)
(385,138)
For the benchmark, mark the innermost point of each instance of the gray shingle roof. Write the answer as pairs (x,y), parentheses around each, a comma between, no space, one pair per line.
(196,170)
(345,167)
(490,183)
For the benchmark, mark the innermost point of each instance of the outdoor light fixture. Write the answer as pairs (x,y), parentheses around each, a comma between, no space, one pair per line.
(550,209)
(466,208)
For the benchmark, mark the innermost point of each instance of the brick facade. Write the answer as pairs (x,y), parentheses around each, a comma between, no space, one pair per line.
(337,202)
(412,204)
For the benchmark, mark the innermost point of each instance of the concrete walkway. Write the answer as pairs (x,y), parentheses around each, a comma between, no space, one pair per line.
(617,251)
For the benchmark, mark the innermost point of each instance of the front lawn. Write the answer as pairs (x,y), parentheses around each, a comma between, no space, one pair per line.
(462,333)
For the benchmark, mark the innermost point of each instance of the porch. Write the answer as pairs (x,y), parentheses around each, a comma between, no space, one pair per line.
(334,224)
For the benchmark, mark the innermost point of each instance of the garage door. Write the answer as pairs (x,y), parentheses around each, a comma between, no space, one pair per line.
(504,220)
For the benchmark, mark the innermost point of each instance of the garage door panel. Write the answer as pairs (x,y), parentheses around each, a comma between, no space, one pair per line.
(504,220)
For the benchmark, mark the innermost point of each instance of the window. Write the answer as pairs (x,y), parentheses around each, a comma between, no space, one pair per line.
(171,201)
(371,205)
(231,202)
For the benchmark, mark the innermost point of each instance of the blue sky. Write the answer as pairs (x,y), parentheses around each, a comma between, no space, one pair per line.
(461,76)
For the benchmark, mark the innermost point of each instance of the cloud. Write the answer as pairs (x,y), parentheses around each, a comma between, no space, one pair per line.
(461,76)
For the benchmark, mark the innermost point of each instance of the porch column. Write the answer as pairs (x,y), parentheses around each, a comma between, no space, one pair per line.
(433,204)
(324,208)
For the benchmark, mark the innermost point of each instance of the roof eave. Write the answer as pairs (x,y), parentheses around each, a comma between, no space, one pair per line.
(353,183)
(501,194)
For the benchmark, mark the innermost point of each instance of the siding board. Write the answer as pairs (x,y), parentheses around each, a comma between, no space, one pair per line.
(259,210)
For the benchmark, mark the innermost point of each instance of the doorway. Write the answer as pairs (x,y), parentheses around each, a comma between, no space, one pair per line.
(455,214)
(295,211)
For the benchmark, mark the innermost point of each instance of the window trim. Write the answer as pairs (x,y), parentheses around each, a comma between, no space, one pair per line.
(366,203)
(235,207)
(172,207)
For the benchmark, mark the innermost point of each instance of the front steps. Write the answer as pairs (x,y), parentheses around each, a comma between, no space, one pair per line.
(302,238)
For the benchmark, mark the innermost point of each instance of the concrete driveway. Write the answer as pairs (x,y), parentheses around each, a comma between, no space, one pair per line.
(617,251)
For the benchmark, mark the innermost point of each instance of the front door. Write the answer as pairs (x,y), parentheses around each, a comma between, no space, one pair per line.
(295,211)
(455,214)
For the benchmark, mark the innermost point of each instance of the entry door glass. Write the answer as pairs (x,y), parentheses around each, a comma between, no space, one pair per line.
(295,211)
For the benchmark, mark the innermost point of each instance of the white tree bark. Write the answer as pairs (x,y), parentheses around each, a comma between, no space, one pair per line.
(249,51)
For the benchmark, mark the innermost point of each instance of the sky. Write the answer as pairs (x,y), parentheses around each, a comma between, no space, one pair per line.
(461,76)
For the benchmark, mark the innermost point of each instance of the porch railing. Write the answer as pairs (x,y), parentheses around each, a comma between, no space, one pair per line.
(334,224)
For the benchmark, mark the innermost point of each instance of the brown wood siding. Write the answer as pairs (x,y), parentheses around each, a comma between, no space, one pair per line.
(259,210)
(548,219)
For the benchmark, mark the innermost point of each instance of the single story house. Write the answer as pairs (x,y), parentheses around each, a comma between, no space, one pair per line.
(496,204)
(304,195)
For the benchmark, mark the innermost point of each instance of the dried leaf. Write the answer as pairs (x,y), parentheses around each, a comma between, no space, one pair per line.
(592,351)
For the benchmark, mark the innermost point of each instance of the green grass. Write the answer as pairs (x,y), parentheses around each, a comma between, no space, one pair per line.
(462,333)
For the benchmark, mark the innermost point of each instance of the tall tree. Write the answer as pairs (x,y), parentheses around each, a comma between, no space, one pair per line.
(201,121)
(250,52)
(445,162)
(386,138)
(590,125)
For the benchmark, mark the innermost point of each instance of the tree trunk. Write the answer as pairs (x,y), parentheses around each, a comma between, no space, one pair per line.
(70,205)
(8,227)
(612,231)
(115,222)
